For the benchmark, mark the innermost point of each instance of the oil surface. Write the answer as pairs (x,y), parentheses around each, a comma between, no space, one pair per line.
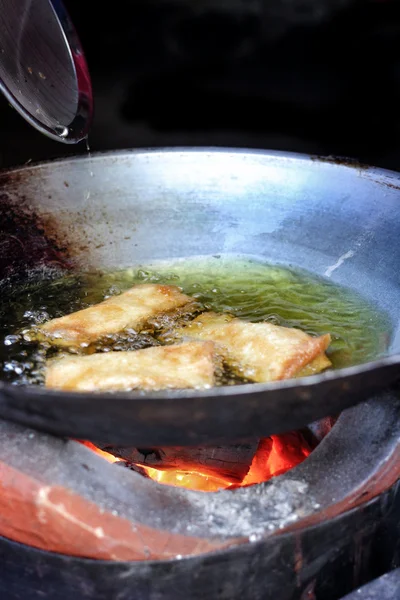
(247,288)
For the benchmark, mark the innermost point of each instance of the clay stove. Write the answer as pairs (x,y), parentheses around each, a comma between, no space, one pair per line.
(78,525)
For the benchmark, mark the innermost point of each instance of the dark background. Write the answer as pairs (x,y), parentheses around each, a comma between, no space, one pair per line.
(317,76)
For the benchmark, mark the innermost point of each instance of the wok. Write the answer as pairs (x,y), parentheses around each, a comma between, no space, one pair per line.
(115,209)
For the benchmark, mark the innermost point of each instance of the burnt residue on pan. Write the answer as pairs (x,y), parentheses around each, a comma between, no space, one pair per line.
(355,164)
(28,242)
(342,161)
(392,186)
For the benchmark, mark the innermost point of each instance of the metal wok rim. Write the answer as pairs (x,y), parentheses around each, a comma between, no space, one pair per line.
(335,161)
(377,175)
(307,383)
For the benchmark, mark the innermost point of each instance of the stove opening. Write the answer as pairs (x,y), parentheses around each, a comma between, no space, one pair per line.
(210,469)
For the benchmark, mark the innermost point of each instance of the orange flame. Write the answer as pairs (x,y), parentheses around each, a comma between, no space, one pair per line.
(191,480)
(274,456)
(110,457)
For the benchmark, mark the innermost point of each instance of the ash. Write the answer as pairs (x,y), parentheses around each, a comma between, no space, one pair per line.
(255,510)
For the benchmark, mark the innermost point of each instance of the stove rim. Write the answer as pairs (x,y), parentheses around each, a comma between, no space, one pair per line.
(313,472)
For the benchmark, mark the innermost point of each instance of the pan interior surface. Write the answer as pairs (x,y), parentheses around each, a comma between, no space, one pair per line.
(115,210)
(119,210)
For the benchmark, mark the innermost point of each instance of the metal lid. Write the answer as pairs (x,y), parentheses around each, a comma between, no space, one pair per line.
(43,71)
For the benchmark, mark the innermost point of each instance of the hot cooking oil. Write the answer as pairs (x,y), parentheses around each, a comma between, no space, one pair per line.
(245,287)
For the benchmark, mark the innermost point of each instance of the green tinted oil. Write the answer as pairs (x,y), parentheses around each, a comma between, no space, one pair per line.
(247,288)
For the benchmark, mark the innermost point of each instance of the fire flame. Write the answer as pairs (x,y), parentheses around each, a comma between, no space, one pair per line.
(274,456)
(110,457)
(190,480)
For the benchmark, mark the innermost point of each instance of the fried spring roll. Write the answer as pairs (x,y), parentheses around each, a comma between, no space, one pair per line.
(187,365)
(319,364)
(260,352)
(131,309)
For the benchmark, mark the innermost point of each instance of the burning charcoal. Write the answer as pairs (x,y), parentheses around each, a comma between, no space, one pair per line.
(126,465)
(230,462)
(276,455)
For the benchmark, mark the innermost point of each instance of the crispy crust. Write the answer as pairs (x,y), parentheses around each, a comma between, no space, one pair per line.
(131,309)
(187,365)
(260,352)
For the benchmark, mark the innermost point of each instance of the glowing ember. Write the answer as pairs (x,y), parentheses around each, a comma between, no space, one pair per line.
(188,479)
(274,456)
(110,457)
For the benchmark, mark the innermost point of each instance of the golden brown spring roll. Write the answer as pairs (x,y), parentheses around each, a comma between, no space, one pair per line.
(187,365)
(259,352)
(131,309)
(317,365)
